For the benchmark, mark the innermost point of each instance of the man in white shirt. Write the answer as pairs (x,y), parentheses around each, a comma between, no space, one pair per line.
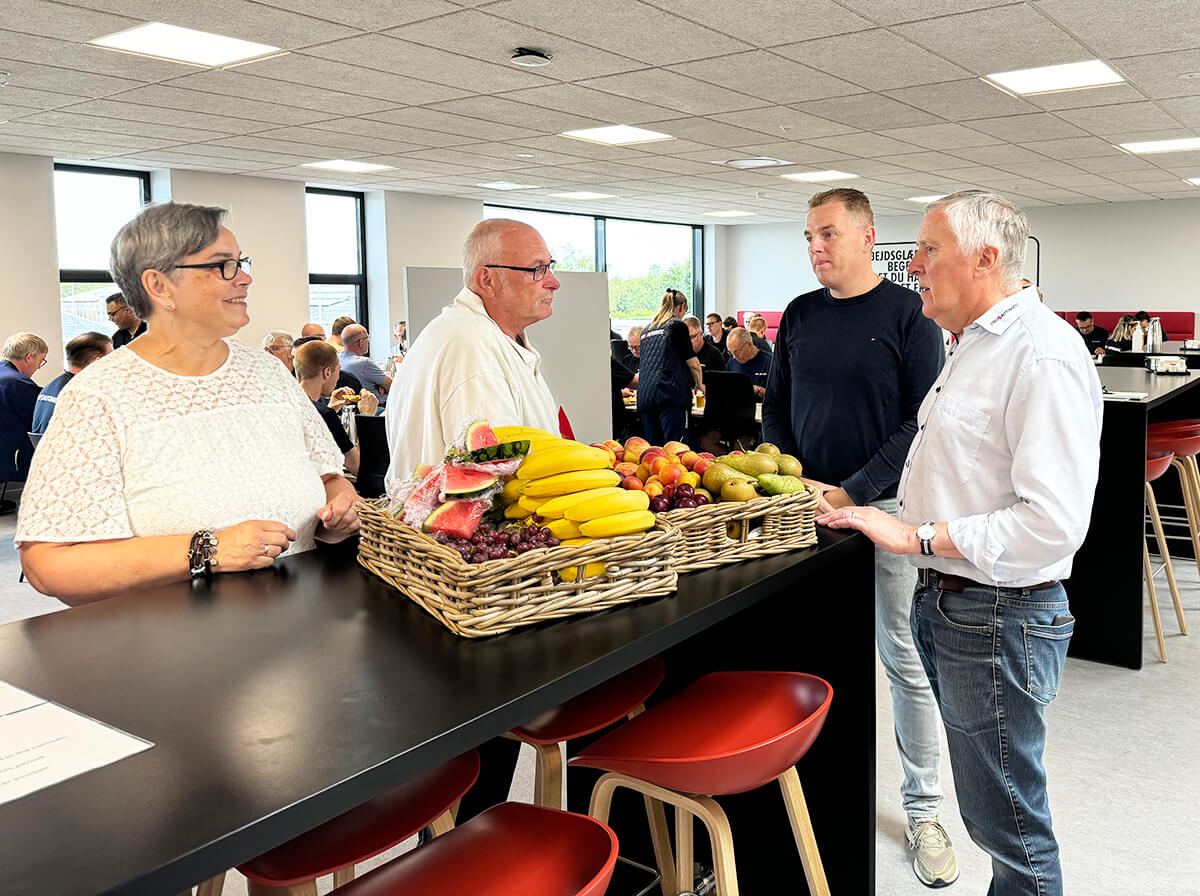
(475,359)
(994,500)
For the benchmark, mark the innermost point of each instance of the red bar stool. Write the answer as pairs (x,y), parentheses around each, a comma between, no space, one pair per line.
(512,849)
(1158,461)
(1182,438)
(726,733)
(376,826)
(603,705)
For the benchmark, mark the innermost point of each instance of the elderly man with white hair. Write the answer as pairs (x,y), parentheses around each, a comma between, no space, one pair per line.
(281,345)
(994,501)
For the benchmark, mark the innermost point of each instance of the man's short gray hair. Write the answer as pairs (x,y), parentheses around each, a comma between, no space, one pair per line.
(693,322)
(20,345)
(157,239)
(741,334)
(277,336)
(484,244)
(980,219)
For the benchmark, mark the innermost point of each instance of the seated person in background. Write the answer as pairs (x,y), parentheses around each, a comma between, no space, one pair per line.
(715,334)
(399,348)
(24,354)
(619,349)
(81,351)
(621,379)
(311,329)
(349,382)
(279,344)
(335,331)
(1140,332)
(354,359)
(188,454)
(744,357)
(709,355)
(1094,337)
(635,348)
(317,370)
(757,325)
(129,325)
(728,324)
(1121,337)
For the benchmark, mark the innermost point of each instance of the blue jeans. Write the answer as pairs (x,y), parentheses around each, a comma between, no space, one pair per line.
(994,657)
(914,711)
(665,424)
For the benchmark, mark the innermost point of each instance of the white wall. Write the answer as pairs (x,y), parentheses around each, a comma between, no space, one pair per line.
(1118,256)
(267,217)
(29,256)
(410,230)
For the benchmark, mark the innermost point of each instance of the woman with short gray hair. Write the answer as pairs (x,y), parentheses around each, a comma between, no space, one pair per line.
(188,454)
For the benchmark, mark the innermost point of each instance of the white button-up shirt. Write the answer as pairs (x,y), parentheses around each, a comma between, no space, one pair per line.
(1008,447)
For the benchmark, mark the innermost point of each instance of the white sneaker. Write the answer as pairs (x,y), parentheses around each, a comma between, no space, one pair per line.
(934,862)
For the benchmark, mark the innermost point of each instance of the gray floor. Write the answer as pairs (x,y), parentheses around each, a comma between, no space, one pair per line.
(1122,759)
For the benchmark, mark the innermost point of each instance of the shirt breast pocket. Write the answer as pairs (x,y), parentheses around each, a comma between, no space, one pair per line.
(965,428)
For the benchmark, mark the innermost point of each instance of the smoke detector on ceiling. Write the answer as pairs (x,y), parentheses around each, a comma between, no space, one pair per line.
(530,58)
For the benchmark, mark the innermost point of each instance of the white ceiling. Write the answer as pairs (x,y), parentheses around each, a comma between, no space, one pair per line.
(885,89)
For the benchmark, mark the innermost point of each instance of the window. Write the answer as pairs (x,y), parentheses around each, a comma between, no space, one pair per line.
(337,255)
(90,206)
(643,258)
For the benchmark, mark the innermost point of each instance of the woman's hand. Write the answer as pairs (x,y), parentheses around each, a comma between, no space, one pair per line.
(253,544)
(338,519)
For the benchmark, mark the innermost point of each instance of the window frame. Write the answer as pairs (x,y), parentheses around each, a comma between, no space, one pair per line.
(359,280)
(99,275)
(601,247)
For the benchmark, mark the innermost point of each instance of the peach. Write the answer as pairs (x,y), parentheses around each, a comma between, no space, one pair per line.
(658,464)
(632,483)
(675,448)
(643,472)
(672,474)
(612,455)
(689,459)
(702,464)
(634,447)
(617,448)
(690,478)
(625,468)
(652,452)
(654,489)
(707,455)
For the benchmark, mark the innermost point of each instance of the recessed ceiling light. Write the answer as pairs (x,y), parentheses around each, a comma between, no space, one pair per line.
(819,177)
(1194,181)
(183,45)
(506,185)
(752,163)
(925,200)
(1051,78)
(1149,146)
(530,58)
(524,155)
(730,214)
(347,166)
(582,194)
(616,135)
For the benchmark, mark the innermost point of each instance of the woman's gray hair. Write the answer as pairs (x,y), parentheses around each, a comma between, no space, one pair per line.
(21,345)
(157,239)
(484,244)
(980,219)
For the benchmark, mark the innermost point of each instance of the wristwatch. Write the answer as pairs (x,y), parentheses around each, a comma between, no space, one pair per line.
(925,534)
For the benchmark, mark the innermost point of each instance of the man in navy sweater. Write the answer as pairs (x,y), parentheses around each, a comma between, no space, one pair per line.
(853,360)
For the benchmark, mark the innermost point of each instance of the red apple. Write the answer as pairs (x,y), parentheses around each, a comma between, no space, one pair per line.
(612,455)
(675,448)
(634,448)
(617,448)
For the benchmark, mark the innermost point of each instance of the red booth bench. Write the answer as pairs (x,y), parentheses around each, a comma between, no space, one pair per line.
(1176,325)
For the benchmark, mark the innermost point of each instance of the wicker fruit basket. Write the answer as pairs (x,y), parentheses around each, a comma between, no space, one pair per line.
(475,600)
(729,532)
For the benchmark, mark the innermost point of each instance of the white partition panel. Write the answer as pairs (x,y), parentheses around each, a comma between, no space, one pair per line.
(573,341)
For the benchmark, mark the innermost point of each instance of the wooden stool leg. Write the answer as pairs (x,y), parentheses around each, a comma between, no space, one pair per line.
(806,840)
(721,837)
(548,778)
(684,878)
(444,822)
(343,876)
(213,886)
(308,888)
(1156,520)
(1158,632)
(661,837)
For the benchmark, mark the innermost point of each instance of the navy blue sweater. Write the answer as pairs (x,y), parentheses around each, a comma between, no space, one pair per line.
(848,378)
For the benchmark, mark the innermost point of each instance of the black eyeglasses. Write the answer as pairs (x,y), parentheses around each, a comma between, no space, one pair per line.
(112,315)
(539,272)
(229,267)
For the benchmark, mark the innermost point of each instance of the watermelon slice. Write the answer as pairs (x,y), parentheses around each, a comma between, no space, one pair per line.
(462,483)
(455,519)
(422,499)
(499,452)
(479,435)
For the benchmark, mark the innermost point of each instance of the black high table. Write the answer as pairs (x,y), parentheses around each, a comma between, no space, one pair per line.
(1105,587)
(279,699)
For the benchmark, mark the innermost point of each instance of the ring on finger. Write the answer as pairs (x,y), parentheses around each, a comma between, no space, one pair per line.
(266,550)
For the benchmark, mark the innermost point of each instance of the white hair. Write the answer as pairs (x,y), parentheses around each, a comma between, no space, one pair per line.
(278,336)
(485,243)
(979,219)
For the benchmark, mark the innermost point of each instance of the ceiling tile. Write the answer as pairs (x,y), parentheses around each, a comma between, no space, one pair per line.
(237,83)
(412,60)
(1073,148)
(525,117)
(32,76)
(1023,128)
(66,22)
(492,38)
(766,23)
(83,57)
(864,144)
(1091,96)
(340,138)
(762,74)
(962,100)
(370,15)
(877,60)
(924,161)
(868,112)
(1001,39)
(592,104)
(1102,120)
(73,119)
(49,133)
(1077,180)
(1002,154)
(1163,74)
(943,136)
(1116,161)
(37,99)
(302,144)
(182,117)
(447,123)
(1185,110)
(799,153)
(707,131)
(166,100)
(675,91)
(890,12)
(1115,28)
(351,78)
(783,121)
(626,27)
(1039,169)
(191,160)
